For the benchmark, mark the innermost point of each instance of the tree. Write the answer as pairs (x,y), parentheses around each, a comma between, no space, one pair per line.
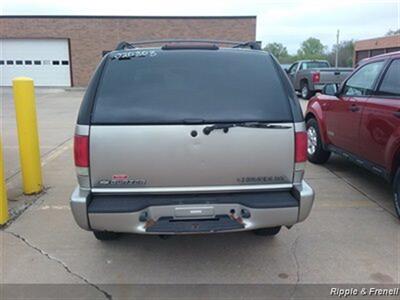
(278,50)
(393,32)
(311,48)
(346,52)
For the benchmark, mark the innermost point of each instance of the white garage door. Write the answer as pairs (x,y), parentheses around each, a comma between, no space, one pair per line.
(46,61)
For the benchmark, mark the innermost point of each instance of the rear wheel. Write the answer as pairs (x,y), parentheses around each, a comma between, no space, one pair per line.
(315,151)
(305,91)
(105,235)
(268,231)
(396,192)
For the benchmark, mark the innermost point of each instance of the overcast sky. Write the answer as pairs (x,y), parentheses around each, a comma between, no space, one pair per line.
(286,21)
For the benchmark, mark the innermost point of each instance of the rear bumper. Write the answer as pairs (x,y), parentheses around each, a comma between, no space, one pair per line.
(177,214)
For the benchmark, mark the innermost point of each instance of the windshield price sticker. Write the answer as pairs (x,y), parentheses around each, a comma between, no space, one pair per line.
(131,54)
(367,292)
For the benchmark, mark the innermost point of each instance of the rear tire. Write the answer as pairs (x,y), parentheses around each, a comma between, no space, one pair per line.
(315,150)
(105,235)
(272,231)
(396,192)
(305,90)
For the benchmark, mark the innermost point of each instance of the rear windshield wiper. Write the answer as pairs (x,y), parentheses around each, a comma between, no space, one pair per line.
(225,127)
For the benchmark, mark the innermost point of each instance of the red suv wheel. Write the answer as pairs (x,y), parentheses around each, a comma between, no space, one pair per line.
(315,150)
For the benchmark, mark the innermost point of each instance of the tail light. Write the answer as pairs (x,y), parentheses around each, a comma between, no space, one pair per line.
(81,151)
(301,147)
(316,77)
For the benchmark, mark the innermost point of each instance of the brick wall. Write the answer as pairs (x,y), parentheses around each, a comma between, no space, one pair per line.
(372,47)
(89,36)
(378,43)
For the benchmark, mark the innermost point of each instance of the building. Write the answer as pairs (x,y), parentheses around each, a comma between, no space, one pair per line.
(64,50)
(376,46)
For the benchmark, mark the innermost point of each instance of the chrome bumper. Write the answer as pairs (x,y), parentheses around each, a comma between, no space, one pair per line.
(129,222)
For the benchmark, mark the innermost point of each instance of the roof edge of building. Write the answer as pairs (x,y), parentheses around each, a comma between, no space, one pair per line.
(378,38)
(120,17)
(378,43)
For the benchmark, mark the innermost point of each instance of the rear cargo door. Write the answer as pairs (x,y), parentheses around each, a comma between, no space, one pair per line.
(147,131)
(169,156)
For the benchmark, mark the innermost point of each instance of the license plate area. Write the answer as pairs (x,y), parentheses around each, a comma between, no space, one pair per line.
(172,225)
(194,212)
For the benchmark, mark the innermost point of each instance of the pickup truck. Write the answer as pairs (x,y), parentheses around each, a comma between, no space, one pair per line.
(310,76)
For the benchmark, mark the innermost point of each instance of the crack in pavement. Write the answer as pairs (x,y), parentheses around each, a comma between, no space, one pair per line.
(33,199)
(60,262)
(298,274)
(18,211)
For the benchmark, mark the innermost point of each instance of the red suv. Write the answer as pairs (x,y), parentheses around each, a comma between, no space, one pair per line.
(360,120)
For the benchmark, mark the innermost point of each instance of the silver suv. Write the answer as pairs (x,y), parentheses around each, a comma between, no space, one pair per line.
(189,138)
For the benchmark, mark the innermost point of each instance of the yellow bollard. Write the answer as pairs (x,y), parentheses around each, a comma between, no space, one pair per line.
(3,193)
(28,138)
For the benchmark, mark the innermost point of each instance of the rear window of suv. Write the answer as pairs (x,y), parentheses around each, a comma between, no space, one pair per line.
(178,86)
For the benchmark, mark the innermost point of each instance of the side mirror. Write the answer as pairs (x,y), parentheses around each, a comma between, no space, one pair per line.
(330,89)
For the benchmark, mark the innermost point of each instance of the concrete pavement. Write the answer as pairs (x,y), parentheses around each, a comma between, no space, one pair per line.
(352,235)
(56,114)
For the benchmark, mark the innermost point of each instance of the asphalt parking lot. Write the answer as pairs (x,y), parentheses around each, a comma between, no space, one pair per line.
(351,236)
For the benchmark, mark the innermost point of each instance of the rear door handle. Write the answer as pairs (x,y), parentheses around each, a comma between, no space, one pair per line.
(354,108)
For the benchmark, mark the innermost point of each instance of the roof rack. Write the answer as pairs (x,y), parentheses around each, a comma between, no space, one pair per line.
(249,44)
